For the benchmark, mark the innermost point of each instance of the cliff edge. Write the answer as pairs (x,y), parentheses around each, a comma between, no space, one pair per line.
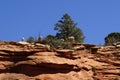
(24,61)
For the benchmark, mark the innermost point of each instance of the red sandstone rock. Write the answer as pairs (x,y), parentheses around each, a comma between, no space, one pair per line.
(22,62)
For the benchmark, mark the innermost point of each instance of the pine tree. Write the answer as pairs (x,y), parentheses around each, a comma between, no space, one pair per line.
(113,37)
(66,27)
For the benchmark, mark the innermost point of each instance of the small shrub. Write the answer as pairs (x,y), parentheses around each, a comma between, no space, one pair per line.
(108,55)
(56,43)
(116,78)
(98,55)
(94,71)
(30,39)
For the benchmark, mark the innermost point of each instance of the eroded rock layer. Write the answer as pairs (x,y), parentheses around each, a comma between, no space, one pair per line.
(29,62)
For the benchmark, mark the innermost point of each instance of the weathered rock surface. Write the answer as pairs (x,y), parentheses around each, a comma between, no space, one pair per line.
(27,62)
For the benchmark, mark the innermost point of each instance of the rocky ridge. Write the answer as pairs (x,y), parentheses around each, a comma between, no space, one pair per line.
(23,61)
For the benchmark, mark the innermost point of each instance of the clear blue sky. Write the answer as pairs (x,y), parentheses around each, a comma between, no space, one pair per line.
(97,18)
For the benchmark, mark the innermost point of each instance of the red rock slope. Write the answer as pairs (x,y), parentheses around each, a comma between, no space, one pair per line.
(32,62)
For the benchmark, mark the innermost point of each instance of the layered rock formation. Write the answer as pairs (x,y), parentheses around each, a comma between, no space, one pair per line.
(20,61)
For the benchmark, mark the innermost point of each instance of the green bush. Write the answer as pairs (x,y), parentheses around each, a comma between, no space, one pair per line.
(94,70)
(30,39)
(111,38)
(56,43)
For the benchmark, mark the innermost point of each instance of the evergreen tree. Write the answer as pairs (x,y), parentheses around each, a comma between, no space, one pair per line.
(112,38)
(31,39)
(66,27)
